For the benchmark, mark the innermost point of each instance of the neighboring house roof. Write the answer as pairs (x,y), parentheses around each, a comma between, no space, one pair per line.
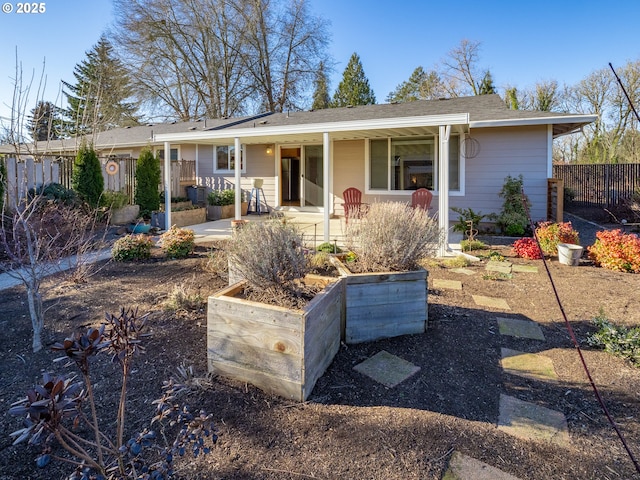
(420,117)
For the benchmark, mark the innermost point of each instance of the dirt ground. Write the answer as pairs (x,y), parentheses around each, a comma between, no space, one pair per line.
(353,427)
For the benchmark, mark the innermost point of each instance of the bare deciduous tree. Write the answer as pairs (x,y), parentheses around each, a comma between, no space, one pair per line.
(219,58)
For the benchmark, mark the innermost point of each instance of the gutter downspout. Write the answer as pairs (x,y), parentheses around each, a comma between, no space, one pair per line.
(443,189)
(167,185)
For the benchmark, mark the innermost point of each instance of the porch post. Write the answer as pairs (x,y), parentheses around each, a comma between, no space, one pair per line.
(167,185)
(443,188)
(326,152)
(238,171)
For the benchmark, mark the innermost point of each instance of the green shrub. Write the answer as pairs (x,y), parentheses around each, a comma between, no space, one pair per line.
(392,237)
(87,178)
(513,219)
(148,174)
(131,247)
(56,192)
(113,200)
(329,247)
(551,234)
(466,245)
(222,197)
(465,217)
(177,242)
(616,250)
(619,340)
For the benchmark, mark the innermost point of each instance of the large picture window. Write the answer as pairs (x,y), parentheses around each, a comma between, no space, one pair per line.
(224,160)
(409,164)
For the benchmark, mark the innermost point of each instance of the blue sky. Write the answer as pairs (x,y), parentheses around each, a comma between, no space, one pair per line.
(522,42)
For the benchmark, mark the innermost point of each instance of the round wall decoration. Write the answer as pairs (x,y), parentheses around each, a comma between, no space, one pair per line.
(112,167)
(470,147)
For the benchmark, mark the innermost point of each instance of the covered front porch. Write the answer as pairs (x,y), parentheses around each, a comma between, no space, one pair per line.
(324,138)
(311,225)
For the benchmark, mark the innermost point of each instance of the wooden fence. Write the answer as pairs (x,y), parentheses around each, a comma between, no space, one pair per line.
(600,184)
(32,172)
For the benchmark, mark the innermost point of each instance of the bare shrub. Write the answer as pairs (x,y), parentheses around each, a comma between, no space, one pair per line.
(39,238)
(269,255)
(393,237)
(183,297)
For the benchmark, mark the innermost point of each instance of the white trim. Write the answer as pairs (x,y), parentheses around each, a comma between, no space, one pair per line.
(326,157)
(550,151)
(228,171)
(275,130)
(443,187)
(167,185)
(238,179)
(551,120)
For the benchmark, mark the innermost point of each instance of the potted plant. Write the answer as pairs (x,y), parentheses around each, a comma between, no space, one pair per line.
(285,345)
(385,286)
(118,208)
(220,204)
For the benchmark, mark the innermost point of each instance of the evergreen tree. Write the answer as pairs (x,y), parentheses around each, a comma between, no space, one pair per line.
(486,85)
(98,99)
(148,175)
(87,178)
(354,88)
(511,98)
(45,122)
(321,98)
(421,85)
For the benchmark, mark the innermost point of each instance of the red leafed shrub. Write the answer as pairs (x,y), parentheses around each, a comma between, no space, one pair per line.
(527,248)
(616,250)
(551,234)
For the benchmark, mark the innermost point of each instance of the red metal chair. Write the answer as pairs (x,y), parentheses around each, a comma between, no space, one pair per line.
(421,198)
(353,206)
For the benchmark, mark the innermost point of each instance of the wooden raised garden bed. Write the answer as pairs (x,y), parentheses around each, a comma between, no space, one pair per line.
(181,218)
(279,350)
(383,305)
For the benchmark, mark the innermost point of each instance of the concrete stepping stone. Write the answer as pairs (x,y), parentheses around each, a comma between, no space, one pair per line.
(463,271)
(387,369)
(462,467)
(447,284)
(524,269)
(520,328)
(532,422)
(500,267)
(529,365)
(491,302)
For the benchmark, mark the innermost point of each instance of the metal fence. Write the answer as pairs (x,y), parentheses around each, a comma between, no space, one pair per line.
(602,184)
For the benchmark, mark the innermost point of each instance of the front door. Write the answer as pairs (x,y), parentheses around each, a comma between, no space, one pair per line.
(301,176)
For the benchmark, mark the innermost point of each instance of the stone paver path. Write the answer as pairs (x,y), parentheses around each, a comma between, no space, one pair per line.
(532,422)
(491,302)
(462,467)
(529,365)
(520,328)
(387,369)
(447,284)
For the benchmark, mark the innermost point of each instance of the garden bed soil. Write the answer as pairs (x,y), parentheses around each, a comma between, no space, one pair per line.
(352,426)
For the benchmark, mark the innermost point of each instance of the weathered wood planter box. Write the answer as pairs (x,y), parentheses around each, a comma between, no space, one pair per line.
(279,350)
(216,212)
(383,305)
(181,218)
(126,214)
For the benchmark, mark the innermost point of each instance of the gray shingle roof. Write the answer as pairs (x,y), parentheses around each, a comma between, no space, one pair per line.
(483,108)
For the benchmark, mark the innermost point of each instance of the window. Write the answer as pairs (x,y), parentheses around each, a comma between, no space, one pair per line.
(224,159)
(409,164)
(174,154)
